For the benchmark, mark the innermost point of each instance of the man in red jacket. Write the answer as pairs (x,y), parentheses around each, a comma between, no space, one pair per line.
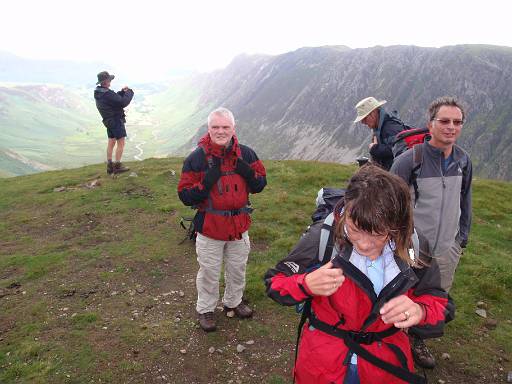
(217,178)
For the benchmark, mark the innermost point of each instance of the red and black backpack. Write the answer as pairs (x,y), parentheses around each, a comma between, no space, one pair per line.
(408,138)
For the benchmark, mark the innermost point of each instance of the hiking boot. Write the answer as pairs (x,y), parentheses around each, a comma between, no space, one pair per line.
(242,311)
(120,168)
(110,167)
(422,355)
(207,322)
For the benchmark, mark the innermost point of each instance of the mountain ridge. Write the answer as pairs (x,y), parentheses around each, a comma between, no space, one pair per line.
(297,105)
(301,104)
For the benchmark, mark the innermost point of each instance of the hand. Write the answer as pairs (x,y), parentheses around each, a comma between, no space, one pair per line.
(402,312)
(371,145)
(125,88)
(212,175)
(244,169)
(325,280)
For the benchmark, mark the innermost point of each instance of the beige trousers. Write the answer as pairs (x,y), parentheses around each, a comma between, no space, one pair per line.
(448,262)
(210,254)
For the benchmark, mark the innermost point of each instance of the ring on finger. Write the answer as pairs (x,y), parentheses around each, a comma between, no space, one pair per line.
(407,315)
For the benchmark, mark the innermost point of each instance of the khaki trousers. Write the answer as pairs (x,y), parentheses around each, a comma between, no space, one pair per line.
(448,262)
(210,254)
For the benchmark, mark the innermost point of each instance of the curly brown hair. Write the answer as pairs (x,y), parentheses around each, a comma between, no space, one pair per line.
(378,202)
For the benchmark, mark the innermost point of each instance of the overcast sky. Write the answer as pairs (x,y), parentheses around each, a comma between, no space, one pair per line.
(148,37)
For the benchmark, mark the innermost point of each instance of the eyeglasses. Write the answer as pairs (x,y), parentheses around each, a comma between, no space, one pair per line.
(446,122)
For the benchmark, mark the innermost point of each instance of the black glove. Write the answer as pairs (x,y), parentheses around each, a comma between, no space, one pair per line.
(212,175)
(244,170)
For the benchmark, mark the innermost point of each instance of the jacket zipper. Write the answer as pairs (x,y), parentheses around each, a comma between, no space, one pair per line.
(442,203)
(402,280)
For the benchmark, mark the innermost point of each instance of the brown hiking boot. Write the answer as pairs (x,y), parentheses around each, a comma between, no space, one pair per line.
(242,311)
(110,167)
(207,322)
(120,168)
(422,355)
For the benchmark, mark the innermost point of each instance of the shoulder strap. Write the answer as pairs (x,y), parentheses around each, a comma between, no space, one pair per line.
(326,245)
(417,159)
(414,252)
(209,162)
(208,158)
(377,131)
(463,161)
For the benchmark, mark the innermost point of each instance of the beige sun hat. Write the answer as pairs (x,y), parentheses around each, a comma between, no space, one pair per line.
(366,106)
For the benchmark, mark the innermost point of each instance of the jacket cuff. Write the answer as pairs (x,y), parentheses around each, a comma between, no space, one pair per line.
(301,281)
(424,319)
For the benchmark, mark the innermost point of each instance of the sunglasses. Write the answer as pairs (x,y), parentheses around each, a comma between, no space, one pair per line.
(446,122)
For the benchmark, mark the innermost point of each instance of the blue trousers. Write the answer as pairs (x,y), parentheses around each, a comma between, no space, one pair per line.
(352,377)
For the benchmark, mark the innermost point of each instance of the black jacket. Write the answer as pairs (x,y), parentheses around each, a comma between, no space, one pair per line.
(389,126)
(111,104)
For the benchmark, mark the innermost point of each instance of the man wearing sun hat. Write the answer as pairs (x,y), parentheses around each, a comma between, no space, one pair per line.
(385,126)
(111,107)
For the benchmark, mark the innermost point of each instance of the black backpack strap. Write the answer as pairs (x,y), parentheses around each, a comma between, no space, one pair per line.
(190,230)
(417,159)
(353,341)
(400,372)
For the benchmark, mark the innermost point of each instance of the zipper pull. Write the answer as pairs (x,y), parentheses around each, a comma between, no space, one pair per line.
(348,358)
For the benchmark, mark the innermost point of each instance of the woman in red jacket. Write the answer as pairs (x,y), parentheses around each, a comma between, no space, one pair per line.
(362,302)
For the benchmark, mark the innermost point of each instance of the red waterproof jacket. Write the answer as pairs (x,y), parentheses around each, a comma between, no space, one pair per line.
(223,212)
(322,357)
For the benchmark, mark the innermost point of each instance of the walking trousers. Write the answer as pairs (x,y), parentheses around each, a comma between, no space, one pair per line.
(210,255)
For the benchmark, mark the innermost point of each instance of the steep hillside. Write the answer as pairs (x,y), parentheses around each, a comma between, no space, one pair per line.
(301,104)
(177,114)
(13,164)
(53,126)
(48,127)
(97,284)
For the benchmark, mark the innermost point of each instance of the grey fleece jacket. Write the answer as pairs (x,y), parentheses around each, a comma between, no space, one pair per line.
(442,212)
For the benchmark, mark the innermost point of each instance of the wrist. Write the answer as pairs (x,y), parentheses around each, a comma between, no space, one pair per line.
(422,312)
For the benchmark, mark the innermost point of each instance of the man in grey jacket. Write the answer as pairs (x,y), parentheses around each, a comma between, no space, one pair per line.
(440,174)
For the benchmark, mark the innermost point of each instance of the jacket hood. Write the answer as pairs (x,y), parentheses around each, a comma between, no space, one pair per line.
(100,91)
(213,149)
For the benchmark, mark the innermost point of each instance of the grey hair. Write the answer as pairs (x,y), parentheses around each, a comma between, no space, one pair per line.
(223,112)
(448,101)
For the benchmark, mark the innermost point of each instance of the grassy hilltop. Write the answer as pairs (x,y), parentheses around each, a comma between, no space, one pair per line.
(96,287)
